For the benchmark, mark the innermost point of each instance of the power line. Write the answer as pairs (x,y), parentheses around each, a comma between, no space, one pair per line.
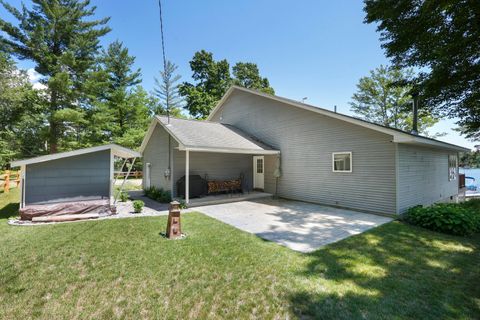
(164,58)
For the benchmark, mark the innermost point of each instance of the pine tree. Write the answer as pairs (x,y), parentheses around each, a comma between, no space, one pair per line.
(57,37)
(120,113)
(166,90)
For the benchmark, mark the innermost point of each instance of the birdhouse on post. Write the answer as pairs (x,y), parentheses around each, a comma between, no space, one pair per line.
(174,229)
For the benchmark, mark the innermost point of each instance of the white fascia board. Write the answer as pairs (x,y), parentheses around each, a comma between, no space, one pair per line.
(407,139)
(116,149)
(148,135)
(228,150)
(150,131)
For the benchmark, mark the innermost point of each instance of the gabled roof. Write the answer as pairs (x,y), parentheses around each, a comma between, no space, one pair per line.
(399,136)
(115,149)
(206,136)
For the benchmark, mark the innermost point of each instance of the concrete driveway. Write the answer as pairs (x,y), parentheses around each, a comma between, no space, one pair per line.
(298,225)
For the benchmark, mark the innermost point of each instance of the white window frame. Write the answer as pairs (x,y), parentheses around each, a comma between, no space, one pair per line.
(351,161)
(455,167)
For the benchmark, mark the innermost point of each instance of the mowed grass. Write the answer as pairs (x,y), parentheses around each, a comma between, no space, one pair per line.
(125,269)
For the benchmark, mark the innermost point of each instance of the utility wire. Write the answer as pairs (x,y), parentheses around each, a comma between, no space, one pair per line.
(164,59)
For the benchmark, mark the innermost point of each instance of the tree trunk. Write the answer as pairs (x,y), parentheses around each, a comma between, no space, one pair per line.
(53,132)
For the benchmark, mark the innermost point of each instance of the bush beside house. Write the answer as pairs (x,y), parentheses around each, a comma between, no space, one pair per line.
(158,194)
(452,218)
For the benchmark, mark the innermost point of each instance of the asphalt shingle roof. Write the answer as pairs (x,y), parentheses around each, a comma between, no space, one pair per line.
(211,135)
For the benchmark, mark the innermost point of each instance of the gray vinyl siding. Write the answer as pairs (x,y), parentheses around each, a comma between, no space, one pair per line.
(215,165)
(269,179)
(156,153)
(306,141)
(423,177)
(82,177)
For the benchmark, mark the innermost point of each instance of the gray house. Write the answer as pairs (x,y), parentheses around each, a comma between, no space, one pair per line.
(301,152)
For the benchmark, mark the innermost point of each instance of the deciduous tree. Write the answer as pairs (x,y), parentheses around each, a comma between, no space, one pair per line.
(212,79)
(382,99)
(442,40)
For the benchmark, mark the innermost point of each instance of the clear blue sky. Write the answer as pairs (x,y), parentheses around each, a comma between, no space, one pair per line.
(310,48)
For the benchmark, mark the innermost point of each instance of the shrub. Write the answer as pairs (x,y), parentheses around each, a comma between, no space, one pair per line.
(183,204)
(158,194)
(452,218)
(472,204)
(123,196)
(138,206)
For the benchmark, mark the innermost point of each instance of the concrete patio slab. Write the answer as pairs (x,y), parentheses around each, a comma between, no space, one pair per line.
(298,225)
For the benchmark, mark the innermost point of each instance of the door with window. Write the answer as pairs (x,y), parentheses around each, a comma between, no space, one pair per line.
(258,172)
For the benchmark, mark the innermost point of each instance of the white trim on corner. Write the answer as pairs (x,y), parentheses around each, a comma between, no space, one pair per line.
(23,174)
(111,191)
(333,162)
(149,133)
(399,137)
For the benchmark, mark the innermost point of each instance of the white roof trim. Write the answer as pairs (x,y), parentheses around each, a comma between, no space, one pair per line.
(115,149)
(151,128)
(399,137)
(229,150)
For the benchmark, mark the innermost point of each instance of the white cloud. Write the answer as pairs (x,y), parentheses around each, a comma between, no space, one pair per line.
(39,86)
(33,75)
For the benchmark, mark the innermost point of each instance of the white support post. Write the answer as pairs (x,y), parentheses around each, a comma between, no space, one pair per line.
(121,170)
(124,180)
(187,176)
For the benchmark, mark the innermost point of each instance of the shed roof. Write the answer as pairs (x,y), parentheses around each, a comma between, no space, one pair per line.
(115,149)
(399,136)
(206,136)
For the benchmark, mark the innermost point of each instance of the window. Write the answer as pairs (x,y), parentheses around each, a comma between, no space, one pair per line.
(452,167)
(259,165)
(342,162)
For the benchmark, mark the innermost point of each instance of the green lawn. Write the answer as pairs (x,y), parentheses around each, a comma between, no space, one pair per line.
(125,269)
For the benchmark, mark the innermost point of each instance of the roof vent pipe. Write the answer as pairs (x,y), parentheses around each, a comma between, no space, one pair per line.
(335,108)
(415,113)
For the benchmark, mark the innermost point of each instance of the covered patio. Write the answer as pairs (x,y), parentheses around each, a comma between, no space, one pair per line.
(208,161)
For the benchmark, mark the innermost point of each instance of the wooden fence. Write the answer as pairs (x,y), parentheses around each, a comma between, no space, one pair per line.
(9,179)
(133,174)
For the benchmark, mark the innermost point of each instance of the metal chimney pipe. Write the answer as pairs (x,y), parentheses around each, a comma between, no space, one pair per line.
(415,114)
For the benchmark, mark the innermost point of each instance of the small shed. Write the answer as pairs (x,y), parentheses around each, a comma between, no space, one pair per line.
(80,175)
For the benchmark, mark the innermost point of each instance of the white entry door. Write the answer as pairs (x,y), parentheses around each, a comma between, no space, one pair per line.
(258,172)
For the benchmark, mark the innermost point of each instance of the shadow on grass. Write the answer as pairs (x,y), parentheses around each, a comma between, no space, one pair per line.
(9,210)
(394,271)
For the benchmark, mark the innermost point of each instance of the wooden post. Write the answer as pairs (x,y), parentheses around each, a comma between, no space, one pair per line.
(174,227)
(17,179)
(6,186)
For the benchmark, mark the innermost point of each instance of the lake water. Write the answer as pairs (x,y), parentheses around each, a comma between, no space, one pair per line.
(474,173)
